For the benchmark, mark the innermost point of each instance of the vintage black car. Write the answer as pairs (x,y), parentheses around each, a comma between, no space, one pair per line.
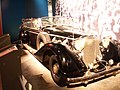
(71,55)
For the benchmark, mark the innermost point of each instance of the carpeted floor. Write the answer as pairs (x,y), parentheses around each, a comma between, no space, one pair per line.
(36,74)
(39,77)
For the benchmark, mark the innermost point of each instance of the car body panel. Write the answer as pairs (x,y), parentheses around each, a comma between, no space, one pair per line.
(78,55)
(69,63)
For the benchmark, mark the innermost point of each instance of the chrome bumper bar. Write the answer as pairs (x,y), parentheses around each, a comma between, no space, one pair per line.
(87,78)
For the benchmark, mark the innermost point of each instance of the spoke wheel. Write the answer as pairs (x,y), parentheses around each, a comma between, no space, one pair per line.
(56,74)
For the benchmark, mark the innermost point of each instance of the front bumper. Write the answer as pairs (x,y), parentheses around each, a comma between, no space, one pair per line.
(95,76)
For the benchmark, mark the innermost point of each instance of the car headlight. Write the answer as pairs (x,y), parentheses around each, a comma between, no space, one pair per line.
(111,62)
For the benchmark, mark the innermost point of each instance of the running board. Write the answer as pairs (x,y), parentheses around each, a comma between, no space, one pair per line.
(31,50)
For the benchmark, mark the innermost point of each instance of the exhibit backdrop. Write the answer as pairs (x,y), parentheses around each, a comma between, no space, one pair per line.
(0,20)
(13,11)
(92,16)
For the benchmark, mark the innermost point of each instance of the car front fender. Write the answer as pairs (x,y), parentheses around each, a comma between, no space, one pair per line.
(68,62)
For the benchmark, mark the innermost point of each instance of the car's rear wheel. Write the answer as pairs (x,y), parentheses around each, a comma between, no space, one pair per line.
(56,74)
(41,40)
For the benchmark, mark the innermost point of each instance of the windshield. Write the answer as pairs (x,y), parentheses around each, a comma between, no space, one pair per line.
(57,24)
(60,23)
(32,23)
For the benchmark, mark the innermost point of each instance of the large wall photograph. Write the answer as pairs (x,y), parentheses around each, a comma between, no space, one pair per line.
(93,16)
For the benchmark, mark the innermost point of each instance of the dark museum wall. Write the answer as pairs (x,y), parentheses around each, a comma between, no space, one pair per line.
(14,10)
(0,25)
(0,20)
(36,8)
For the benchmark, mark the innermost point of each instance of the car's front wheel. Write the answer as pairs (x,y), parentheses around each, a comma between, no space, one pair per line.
(56,74)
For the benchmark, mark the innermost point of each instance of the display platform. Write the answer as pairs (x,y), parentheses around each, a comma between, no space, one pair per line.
(40,78)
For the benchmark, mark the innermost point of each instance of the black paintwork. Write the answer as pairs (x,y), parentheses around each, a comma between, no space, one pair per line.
(68,61)
(71,65)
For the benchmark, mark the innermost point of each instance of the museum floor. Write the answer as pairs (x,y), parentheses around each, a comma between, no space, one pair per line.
(40,79)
